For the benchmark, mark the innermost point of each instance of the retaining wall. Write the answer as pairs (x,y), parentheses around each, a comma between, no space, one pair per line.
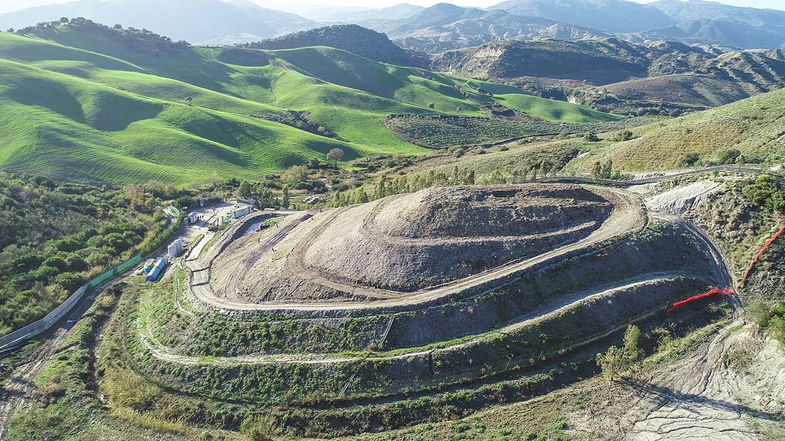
(22,335)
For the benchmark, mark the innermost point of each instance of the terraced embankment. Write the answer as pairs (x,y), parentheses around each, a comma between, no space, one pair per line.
(439,294)
(323,265)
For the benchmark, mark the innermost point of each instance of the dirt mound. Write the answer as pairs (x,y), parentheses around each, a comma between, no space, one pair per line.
(442,234)
(415,249)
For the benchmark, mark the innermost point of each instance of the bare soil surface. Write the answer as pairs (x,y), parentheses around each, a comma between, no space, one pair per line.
(286,266)
(730,387)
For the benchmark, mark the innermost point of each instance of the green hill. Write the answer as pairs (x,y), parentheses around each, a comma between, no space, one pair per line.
(73,129)
(87,103)
(753,126)
(349,37)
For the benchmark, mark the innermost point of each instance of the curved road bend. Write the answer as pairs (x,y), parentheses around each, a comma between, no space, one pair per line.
(627,217)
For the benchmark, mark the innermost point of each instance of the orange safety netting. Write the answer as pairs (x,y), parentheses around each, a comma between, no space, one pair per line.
(760,253)
(713,292)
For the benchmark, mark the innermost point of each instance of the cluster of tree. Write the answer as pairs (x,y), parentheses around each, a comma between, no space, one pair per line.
(623,135)
(605,171)
(55,237)
(619,360)
(386,186)
(530,171)
(722,157)
(264,195)
(770,318)
(140,40)
(767,191)
(299,178)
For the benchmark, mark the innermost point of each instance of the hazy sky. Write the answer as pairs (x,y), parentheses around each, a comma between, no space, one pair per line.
(10,5)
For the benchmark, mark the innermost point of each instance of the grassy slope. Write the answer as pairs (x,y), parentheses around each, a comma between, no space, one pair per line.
(67,127)
(552,110)
(543,108)
(755,126)
(87,77)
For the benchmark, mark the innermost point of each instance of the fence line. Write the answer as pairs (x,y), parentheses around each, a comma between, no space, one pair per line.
(33,329)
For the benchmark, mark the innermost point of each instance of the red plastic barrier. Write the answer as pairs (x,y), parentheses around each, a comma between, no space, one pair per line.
(760,253)
(713,292)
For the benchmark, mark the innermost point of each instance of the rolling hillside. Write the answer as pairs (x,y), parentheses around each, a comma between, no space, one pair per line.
(67,128)
(617,76)
(754,126)
(88,103)
(352,38)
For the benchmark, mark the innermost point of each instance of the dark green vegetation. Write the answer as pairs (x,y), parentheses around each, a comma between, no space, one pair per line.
(58,236)
(771,318)
(98,104)
(768,192)
(440,132)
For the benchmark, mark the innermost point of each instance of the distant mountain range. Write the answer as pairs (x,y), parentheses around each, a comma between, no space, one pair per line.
(622,77)
(196,21)
(441,27)
(445,26)
(606,15)
(698,21)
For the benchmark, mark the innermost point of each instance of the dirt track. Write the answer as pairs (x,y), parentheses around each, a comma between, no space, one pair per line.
(627,217)
(20,385)
(542,313)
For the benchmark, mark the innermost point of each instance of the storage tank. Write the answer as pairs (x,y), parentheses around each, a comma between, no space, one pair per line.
(175,249)
(240,212)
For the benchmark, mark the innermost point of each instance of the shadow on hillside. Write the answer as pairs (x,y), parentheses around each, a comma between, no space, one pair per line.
(664,395)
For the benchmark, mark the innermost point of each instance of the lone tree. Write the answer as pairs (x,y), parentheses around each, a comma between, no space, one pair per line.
(591,137)
(285,197)
(617,361)
(245,190)
(336,154)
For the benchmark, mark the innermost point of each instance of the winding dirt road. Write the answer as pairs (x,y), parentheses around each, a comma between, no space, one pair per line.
(542,313)
(627,217)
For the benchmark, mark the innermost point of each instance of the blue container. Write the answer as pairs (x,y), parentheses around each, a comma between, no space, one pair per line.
(157,270)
